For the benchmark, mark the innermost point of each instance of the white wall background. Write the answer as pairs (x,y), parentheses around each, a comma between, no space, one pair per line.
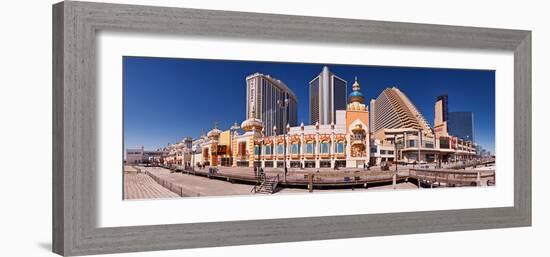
(25,127)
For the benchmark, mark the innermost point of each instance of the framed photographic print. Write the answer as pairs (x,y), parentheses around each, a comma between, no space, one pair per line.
(183,128)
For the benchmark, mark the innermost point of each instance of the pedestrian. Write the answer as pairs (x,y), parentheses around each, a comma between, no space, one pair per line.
(261,172)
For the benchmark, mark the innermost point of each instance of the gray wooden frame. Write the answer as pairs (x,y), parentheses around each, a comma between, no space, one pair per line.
(74,128)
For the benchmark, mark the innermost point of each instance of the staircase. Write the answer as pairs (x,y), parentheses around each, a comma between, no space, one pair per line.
(266,185)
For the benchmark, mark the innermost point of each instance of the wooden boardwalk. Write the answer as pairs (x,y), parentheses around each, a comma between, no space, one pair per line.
(146,184)
(329,178)
(452,178)
(324,178)
(142,186)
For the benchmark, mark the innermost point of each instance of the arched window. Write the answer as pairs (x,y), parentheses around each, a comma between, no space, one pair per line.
(339,147)
(267,149)
(325,146)
(280,149)
(309,148)
(295,149)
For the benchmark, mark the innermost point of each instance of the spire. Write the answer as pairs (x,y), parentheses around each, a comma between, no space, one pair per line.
(252,123)
(356,95)
(235,126)
(356,86)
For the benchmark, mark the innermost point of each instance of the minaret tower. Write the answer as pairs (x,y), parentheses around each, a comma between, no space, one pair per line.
(357,127)
(253,128)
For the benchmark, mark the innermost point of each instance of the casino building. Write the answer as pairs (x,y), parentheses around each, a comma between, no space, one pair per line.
(343,143)
(393,130)
(266,94)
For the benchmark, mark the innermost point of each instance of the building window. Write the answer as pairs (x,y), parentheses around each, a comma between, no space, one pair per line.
(382,151)
(295,149)
(390,152)
(412,143)
(444,143)
(429,145)
(309,148)
(280,149)
(256,150)
(325,147)
(340,147)
(242,149)
(267,149)
(373,150)
(340,163)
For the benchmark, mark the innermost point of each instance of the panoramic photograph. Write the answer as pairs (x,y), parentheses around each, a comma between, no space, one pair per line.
(199,128)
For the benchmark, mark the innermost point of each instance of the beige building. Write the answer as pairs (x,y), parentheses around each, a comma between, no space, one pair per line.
(392,109)
(396,121)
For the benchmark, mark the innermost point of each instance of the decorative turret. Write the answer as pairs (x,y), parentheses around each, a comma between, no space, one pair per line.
(252,123)
(356,98)
(358,128)
(356,95)
(214,134)
(235,126)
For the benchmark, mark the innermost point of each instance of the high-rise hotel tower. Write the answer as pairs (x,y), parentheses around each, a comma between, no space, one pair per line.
(327,94)
(393,109)
(264,92)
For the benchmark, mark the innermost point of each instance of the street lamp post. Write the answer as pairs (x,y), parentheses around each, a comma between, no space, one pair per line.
(419,145)
(419,141)
(395,145)
(284,106)
(233,131)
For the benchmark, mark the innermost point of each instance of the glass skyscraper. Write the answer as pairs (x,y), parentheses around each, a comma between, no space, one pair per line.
(461,125)
(327,94)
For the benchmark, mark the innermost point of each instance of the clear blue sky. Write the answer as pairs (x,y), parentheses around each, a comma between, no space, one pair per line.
(166,99)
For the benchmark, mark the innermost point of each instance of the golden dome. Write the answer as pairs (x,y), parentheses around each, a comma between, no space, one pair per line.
(252,123)
(214,133)
(358,128)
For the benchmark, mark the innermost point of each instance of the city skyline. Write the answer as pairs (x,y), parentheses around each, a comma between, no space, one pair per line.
(209,91)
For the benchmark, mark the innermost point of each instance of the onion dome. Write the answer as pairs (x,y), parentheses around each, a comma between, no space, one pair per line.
(356,95)
(252,123)
(214,133)
(358,128)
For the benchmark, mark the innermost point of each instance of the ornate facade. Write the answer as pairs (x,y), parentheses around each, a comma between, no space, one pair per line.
(343,143)
(350,140)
